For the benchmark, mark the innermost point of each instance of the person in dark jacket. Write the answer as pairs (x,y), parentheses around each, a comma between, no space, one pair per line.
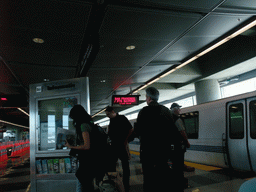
(158,133)
(119,131)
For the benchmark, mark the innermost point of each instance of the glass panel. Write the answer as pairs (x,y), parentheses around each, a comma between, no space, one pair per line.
(54,124)
(253,119)
(191,122)
(236,121)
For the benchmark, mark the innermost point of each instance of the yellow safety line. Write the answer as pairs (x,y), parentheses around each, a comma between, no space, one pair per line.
(28,187)
(195,165)
(202,167)
(135,152)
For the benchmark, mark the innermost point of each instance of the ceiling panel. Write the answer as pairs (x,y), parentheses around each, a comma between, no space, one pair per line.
(217,24)
(108,61)
(184,47)
(204,33)
(30,74)
(149,72)
(125,23)
(182,75)
(7,89)
(117,46)
(248,4)
(50,16)
(39,56)
(184,4)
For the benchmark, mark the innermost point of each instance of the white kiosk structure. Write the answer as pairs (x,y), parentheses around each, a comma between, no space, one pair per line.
(51,167)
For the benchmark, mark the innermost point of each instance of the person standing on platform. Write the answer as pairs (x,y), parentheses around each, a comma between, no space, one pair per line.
(83,124)
(180,148)
(157,131)
(119,131)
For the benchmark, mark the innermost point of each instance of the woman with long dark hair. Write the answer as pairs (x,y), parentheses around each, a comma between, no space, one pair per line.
(83,124)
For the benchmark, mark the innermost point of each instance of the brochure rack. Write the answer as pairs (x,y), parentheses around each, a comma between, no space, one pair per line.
(51,167)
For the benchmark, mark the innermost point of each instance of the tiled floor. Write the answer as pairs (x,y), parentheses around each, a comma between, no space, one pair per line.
(203,179)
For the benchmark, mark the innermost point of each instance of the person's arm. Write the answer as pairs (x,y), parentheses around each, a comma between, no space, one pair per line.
(127,138)
(137,129)
(184,136)
(182,131)
(127,127)
(85,146)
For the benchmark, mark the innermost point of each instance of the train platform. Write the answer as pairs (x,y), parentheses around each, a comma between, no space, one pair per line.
(15,177)
(202,179)
(15,171)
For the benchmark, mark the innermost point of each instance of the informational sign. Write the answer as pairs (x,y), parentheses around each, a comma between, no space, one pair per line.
(125,100)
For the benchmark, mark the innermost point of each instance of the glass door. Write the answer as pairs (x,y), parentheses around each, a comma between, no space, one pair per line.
(251,118)
(54,126)
(237,135)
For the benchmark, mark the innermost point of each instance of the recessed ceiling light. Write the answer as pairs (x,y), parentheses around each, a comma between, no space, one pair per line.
(46,80)
(131,47)
(38,40)
(103,81)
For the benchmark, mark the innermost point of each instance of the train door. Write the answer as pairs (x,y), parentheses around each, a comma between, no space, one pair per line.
(237,134)
(251,119)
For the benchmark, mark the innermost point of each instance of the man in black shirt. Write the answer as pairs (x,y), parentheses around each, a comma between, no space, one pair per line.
(119,131)
(158,133)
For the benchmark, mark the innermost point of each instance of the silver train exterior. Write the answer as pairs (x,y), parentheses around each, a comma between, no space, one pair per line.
(222,133)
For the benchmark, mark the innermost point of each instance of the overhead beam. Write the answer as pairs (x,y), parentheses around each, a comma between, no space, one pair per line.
(163,86)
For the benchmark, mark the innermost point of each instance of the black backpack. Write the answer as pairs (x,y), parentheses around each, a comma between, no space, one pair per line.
(99,139)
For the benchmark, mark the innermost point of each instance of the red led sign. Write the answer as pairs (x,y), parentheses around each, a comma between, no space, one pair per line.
(3,99)
(125,100)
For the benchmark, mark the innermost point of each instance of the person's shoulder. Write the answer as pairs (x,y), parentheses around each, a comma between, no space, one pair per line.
(86,127)
(165,109)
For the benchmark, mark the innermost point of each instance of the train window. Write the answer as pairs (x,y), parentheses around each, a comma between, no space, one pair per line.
(236,121)
(191,122)
(253,119)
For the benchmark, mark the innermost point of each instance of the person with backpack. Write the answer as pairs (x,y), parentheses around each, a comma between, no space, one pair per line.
(157,133)
(84,127)
(120,129)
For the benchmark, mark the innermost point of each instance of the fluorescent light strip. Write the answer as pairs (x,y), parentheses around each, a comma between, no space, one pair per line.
(99,113)
(23,111)
(14,124)
(243,29)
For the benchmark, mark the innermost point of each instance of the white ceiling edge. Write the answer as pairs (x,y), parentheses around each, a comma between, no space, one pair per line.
(241,68)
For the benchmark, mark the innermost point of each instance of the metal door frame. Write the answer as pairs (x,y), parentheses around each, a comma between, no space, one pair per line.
(250,140)
(244,141)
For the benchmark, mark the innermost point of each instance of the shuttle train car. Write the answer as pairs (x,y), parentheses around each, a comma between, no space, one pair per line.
(221,133)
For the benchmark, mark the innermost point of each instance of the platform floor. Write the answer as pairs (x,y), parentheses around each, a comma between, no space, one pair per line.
(203,179)
(15,173)
(16,178)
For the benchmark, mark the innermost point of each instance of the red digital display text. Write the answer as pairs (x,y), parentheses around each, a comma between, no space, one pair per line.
(125,100)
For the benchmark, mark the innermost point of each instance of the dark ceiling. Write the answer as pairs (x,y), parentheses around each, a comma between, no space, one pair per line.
(89,38)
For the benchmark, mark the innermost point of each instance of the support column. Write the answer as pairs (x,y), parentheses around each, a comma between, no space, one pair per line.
(207,90)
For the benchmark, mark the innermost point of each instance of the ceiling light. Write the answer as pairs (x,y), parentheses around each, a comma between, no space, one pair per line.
(23,111)
(103,81)
(38,40)
(131,47)
(99,112)
(13,124)
(46,80)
